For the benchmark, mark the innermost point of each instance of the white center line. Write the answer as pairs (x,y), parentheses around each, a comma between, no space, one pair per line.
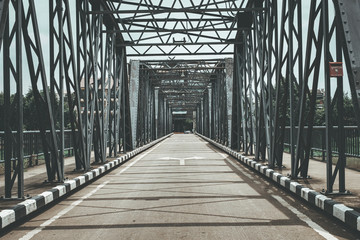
(306,219)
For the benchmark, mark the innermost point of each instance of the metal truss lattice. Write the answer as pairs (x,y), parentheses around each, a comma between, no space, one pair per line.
(179,27)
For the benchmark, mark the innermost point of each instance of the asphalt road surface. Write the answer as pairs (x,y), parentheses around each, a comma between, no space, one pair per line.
(183,188)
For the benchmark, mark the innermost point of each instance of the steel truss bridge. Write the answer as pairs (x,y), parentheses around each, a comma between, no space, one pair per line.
(242,69)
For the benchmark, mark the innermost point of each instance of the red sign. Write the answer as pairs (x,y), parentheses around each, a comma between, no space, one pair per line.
(336,69)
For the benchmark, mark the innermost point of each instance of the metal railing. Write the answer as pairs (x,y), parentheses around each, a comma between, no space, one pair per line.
(352,140)
(33,148)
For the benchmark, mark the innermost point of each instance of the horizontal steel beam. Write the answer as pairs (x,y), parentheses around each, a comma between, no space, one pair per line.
(178,54)
(133,44)
(134,20)
(184,31)
(177,89)
(185,61)
(176,10)
(183,68)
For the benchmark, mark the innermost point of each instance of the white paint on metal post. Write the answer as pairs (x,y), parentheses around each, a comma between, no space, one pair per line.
(165,117)
(133,97)
(229,79)
(156,112)
(210,109)
(202,115)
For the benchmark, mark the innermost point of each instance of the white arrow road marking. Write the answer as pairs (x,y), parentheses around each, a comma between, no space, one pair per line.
(195,158)
(182,160)
(170,158)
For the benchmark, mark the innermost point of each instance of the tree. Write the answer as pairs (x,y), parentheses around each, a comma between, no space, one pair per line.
(319,118)
(349,116)
(31,120)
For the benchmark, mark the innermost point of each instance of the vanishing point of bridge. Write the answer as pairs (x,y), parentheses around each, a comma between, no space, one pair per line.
(243,76)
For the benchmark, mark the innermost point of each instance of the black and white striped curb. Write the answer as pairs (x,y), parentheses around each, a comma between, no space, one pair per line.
(10,216)
(347,215)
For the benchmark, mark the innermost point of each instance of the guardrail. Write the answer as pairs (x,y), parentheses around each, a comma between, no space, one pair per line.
(352,140)
(33,148)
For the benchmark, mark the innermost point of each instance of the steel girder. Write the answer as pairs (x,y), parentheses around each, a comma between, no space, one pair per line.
(4,9)
(46,105)
(180,27)
(280,84)
(93,82)
(13,107)
(254,73)
(245,104)
(348,34)
(309,70)
(102,70)
(150,110)
(173,85)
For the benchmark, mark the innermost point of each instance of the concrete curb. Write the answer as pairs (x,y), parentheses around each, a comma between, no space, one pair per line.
(31,205)
(347,215)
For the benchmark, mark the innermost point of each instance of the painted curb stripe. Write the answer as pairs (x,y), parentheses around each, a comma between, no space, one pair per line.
(40,201)
(337,210)
(353,219)
(9,216)
(48,197)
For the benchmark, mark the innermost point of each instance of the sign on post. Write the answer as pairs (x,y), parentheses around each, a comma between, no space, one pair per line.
(336,69)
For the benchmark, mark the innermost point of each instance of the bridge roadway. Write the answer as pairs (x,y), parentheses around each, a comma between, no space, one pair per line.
(183,188)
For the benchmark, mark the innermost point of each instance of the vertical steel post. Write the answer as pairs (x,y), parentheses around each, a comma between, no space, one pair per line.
(194,121)
(229,81)
(325,26)
(341,140)
(133,96)
(210,112)
(7,109)
(156,112)
(291,86)
(19,90)
(202,115)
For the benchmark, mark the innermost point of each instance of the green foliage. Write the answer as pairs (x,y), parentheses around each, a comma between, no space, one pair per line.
(319,118)
(2,110)
(349,115)
(30,111)
(31,121)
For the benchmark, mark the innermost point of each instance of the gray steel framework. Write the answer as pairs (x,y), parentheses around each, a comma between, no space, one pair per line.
(243,102)
(277,75)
